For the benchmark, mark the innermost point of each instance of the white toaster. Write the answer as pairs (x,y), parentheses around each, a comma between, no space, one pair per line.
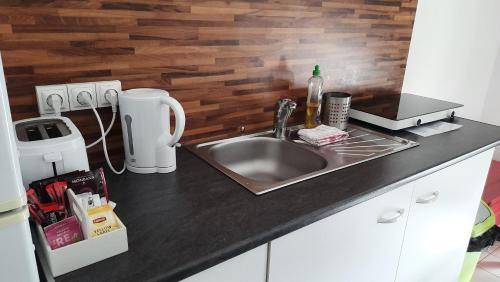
(49,146)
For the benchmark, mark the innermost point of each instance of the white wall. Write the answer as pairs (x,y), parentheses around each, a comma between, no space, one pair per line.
(453,56)
(491,110)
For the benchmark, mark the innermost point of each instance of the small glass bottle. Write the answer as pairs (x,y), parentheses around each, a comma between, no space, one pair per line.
(314,93)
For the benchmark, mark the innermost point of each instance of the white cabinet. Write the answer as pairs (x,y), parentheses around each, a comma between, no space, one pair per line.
(247,267)
(441,217)
(362,243)
(418,232)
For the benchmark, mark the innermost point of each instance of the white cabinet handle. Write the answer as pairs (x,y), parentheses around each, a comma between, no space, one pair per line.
(393,217)
(429,199)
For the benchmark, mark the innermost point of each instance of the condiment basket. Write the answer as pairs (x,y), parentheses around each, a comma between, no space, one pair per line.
(85,252)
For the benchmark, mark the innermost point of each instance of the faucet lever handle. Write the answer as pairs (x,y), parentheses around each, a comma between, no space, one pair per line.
(282,102)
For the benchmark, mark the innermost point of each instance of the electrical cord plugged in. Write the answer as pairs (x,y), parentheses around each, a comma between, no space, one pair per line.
(111,95)
(84,98)
(55,101)
(88,100)
(111,123)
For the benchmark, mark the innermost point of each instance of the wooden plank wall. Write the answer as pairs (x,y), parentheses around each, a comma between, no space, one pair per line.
(227,62)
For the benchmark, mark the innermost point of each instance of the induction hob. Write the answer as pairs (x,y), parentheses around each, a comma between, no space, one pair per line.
(399,111)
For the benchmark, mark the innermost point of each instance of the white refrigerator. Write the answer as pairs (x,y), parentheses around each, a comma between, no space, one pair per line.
(17,256)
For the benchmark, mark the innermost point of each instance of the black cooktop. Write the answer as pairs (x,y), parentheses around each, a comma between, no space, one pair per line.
(401,106)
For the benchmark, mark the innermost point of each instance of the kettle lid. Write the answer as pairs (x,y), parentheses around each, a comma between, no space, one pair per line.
(145,93)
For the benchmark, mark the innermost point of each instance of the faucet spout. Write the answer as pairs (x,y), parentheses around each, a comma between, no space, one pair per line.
(284,108)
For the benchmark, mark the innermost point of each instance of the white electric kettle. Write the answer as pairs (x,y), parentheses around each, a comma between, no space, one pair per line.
(145,117)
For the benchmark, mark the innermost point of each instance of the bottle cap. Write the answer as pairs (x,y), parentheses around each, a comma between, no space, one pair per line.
(316,71)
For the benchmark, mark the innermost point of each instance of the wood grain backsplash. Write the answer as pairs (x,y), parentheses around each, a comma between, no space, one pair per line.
(227,62)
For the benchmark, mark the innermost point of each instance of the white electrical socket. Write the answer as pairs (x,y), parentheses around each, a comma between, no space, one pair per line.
(102,87)
(76,88)
(42,96)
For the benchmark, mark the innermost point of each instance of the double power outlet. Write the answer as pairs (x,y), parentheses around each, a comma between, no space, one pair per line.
(70,95)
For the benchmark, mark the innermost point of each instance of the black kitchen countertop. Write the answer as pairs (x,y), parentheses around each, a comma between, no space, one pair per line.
(184,222)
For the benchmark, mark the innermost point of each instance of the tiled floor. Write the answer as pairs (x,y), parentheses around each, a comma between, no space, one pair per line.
(488,268)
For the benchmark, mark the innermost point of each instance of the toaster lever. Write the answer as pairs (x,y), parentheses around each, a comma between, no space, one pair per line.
(52,157)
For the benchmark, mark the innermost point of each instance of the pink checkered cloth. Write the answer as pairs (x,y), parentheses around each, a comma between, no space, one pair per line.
(322,135)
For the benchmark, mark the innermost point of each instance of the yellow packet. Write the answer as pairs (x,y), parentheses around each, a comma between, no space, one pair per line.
(102,220)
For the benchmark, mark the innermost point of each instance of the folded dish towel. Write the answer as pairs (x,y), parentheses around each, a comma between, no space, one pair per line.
(322,135)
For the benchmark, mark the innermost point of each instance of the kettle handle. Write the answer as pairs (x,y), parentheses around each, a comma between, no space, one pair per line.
(180,121)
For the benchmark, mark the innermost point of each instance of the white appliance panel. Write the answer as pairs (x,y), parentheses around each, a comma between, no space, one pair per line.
(400,124)
(17,262)
(12,192)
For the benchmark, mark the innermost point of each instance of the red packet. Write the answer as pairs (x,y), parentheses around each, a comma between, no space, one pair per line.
(63,233)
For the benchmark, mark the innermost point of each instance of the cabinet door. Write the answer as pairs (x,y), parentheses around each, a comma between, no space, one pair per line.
(362,243)
(440,221)
(248,267)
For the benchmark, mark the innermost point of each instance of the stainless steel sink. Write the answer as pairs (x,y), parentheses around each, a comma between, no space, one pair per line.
(262,163)
(266,160)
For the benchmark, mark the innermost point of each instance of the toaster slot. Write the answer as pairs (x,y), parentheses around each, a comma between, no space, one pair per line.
(52,130)
(33,133)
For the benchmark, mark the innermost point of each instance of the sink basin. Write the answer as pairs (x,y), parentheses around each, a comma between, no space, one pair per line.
(266,160)
(262,163)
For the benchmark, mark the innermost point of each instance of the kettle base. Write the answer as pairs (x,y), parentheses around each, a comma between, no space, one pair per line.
(146,170)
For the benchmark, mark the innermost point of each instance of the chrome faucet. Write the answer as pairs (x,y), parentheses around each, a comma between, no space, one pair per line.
(284,108)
